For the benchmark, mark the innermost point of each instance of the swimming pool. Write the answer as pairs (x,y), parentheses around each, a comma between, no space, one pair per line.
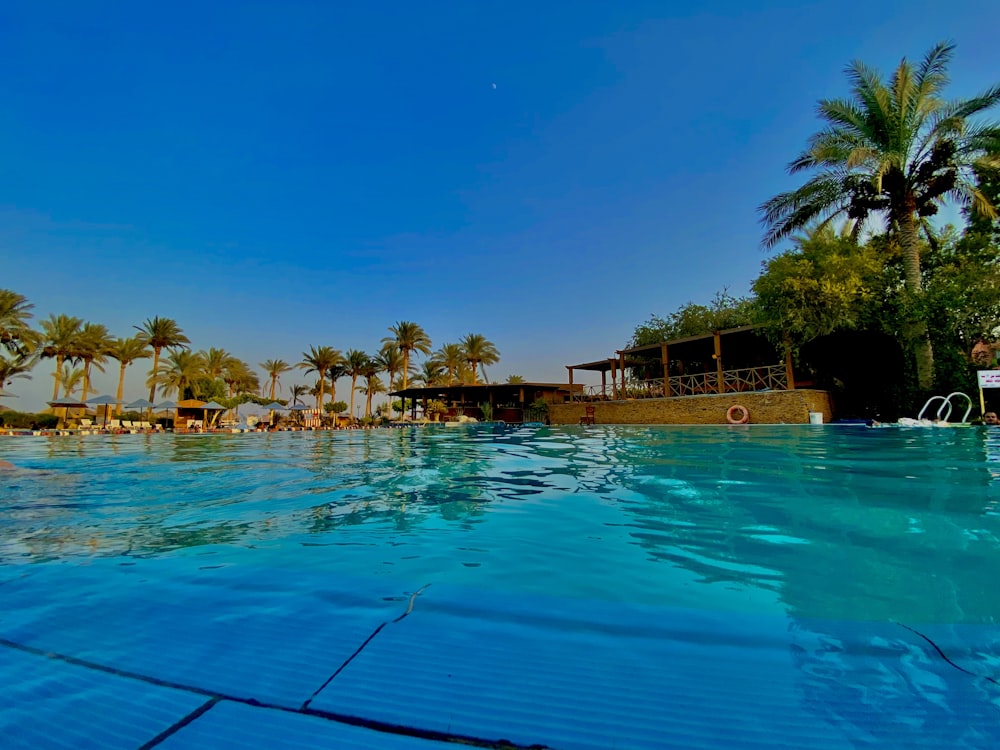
(568,587)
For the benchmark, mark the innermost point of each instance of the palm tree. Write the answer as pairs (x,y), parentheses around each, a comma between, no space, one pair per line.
(355,364)
(59,334)
(390,359)
(451,357)
(17,366)
(216,362)
(409,337)
(514,379)
(297,392)
(70,379)
(160,333)
(894,149)
(92,346)
(275,368)
(334,374)
(431,373)
(479,351)
(372,386)
(126,351)
(180,370)
(320,359)
(16,335)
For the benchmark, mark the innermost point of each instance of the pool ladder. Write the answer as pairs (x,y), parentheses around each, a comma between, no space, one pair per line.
(946,406)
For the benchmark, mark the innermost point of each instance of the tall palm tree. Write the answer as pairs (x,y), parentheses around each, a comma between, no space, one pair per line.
(159,334)
(216,361)
(372,386)
(894,149)
(59,334)
(479,351)
(334,374)
(452,358)
(126,351)
(297,392)
(355,364)
(275,368)
(320,359)
(92,346)
(16,366)
(431,373)
(390,359)
(180,370)
(409,337)
(70,379)
(16,335)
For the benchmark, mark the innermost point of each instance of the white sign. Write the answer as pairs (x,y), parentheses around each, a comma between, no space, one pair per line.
(989,378)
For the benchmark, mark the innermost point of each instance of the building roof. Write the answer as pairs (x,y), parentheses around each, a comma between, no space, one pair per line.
(451,391)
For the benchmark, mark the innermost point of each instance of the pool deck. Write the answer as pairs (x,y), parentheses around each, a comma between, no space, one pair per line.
(148,654)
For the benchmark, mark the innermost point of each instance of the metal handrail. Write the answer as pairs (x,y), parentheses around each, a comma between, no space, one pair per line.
(768,377)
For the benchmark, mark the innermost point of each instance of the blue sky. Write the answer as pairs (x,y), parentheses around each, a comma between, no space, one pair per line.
(275,175)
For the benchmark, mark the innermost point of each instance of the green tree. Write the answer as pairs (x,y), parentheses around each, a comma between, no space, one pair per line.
(159,334)
(372,386)
(514,379)
(452,358)
(320,359)
(126,351)
(894,149)
(15,366)
(479,352)
(431,373)
(92,348)
(409,337)
(827,283)
(297,392)
(355,364)
(59,335)
(390,360)
(275,368)
(724,311)
(180,370)
(70,378)
(16,335)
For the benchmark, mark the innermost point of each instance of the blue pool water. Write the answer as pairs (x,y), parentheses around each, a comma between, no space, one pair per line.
(568,587)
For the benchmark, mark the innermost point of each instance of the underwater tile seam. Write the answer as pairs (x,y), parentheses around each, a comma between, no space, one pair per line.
(215,697)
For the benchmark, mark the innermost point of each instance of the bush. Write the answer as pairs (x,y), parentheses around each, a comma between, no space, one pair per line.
(24,420)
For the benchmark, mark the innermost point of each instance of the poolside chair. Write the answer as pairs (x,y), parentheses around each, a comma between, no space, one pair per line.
(589,417)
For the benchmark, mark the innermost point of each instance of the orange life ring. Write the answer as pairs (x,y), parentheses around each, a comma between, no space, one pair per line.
(744,414)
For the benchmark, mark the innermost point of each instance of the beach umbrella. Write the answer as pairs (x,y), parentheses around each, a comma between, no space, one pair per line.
(298,407)
(212,406)
(275,405)
(106,402)
(141,403)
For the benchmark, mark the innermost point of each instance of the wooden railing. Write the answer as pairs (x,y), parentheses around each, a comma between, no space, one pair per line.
(767,378)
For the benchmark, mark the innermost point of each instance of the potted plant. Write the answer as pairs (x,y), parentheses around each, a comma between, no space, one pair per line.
(435,409)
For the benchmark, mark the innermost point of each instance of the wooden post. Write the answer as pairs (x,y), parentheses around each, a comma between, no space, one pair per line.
(604,383)
(570,385)
(614,378)
(666,369)
(621,357)
(789,371)
(717,337)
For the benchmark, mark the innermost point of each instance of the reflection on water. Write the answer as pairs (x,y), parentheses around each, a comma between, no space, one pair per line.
(842,535)
(819,523)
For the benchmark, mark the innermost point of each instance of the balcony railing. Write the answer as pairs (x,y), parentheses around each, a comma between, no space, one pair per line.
(767,378)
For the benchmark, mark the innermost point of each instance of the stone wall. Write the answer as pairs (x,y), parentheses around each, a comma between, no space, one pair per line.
(765,407)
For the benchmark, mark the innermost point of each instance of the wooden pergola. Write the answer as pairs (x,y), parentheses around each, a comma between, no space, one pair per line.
(699,364)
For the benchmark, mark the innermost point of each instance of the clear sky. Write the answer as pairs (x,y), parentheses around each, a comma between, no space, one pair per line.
(279,174)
